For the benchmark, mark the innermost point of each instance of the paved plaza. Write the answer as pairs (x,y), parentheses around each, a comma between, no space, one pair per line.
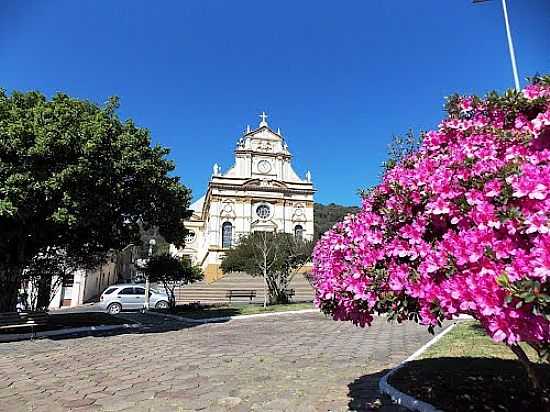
(298,362)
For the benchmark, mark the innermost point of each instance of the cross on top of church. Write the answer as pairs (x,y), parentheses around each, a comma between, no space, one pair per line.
(263,116)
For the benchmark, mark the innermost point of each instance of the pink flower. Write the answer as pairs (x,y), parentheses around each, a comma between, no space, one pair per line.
(492,188)
(534,91)
(537,222)
(439,207)
(466,104)
(540,122)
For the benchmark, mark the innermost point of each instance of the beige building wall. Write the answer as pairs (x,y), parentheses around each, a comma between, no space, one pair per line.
(88,284)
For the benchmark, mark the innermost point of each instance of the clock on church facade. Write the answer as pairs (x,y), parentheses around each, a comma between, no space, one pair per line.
(260,192)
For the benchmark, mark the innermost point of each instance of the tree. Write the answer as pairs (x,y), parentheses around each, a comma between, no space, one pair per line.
(460,226)
(171,271)
(276,257)
(74,177)
(400,148)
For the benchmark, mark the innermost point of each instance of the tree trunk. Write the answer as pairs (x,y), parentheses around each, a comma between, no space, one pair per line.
(44,292)
(170,292)
(528,365)
(172,299)
(265,290)
(10,282)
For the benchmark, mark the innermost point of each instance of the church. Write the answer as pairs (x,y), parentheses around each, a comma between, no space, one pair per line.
(260,192)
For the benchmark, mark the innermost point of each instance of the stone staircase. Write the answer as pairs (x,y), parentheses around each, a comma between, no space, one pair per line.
(216,292)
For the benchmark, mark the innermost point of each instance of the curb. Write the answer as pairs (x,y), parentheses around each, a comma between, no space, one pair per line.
(69,331)
(401,398)
(229,318)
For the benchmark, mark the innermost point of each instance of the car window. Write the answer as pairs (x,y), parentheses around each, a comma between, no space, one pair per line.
(139,291)
(126,291)
(109,291)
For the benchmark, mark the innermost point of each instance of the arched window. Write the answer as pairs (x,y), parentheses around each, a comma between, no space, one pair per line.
(299,232)
(227,234)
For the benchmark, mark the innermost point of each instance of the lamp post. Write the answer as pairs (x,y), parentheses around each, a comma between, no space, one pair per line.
(510,42)
(152,243)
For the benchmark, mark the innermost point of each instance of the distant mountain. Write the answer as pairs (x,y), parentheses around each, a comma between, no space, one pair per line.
(327,215)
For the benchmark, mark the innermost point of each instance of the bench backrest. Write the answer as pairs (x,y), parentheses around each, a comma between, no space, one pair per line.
(241,292)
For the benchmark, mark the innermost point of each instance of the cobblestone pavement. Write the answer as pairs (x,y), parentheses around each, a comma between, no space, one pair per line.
(300,362)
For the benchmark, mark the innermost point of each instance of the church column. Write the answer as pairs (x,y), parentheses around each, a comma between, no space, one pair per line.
(247,214)
(214,224)
(285,217)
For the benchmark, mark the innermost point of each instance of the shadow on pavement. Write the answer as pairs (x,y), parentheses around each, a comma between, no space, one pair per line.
(365,396)
(206,312)
(145,324)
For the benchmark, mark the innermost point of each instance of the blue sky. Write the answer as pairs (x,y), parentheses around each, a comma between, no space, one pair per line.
(338,77)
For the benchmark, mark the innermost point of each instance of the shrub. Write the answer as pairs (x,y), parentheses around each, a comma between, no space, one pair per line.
(459,226)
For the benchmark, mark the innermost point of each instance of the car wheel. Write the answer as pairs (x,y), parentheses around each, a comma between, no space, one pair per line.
(114,308)
(161,305)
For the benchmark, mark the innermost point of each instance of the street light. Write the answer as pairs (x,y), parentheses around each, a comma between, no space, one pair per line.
(510,42)
(152,243)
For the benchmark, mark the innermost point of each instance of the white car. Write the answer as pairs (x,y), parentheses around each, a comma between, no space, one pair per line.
(117,298)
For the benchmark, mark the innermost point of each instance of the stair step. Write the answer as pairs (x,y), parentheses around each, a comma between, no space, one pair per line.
(217,291)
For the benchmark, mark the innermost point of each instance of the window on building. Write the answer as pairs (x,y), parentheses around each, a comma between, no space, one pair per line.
(68,281)
(299,232)
(227,234)
(190,237)
(263,211)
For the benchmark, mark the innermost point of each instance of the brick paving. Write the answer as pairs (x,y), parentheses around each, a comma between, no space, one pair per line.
(291,363)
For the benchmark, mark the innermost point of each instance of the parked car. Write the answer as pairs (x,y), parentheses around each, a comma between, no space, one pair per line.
(117,298)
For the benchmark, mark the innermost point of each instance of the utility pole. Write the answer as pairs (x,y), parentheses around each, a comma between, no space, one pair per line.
(510,41)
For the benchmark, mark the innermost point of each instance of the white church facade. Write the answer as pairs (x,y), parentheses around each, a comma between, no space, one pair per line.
(260,192)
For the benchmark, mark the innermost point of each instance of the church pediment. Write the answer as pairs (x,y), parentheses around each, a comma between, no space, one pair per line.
(254,183)
(264,133)
(275,183)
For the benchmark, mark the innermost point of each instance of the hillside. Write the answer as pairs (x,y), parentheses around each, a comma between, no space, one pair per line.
(327,215)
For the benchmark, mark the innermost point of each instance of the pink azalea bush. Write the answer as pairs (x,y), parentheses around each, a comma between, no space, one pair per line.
(461,226)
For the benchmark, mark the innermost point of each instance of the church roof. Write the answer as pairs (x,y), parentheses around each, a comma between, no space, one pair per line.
(196,206)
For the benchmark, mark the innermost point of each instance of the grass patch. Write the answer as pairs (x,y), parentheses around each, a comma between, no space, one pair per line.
(467,371)
(213,311)
(469,339)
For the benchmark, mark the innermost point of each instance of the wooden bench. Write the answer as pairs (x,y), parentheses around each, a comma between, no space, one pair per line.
(12,320)
(290,293)
(241,293)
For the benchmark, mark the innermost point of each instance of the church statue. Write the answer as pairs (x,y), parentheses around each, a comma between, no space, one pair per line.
(308,176)
(216,169)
